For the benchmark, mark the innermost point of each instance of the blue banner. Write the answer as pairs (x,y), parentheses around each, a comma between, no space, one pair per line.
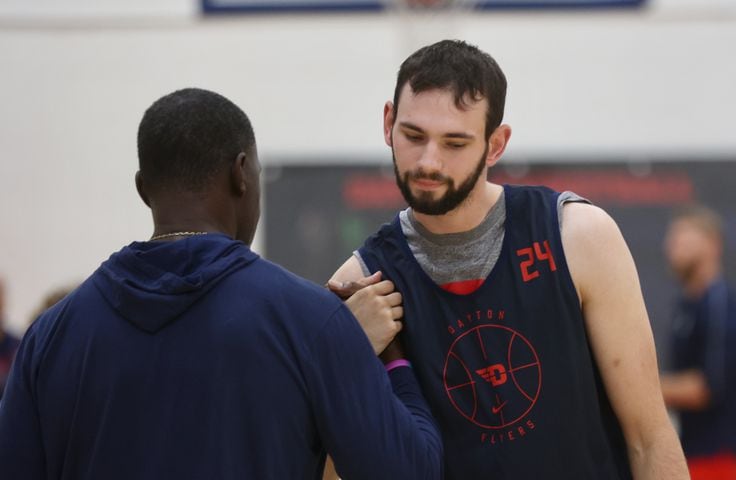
(254,6)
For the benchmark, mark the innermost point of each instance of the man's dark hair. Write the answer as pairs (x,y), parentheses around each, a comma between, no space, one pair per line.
(187,137)
(463,69)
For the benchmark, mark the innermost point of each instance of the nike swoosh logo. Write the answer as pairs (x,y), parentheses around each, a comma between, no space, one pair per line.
(497,408)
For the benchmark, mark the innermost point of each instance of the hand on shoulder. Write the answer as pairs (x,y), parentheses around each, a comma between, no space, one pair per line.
(374,302)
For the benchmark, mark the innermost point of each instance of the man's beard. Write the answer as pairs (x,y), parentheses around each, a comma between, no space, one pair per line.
(451,199)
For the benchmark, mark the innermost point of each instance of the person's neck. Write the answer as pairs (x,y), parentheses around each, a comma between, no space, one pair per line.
(703,277)
(181,216)
(468,215)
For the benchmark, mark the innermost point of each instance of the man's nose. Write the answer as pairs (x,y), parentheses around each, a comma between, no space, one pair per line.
(430,160)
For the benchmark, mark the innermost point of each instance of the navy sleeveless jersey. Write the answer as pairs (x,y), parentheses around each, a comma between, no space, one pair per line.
(507,369)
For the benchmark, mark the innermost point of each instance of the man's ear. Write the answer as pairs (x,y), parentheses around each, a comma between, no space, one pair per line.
(238,174)
(388,123)
(497,144)
(141,190)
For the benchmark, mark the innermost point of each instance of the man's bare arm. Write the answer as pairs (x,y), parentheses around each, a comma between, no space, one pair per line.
(621,339)
(350,271)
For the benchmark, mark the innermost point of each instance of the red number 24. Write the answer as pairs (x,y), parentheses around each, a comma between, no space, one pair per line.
(537,252)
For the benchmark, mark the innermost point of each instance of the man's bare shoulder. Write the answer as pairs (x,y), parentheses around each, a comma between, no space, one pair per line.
(592,242)
(584,220)
(350,271)
(589,233)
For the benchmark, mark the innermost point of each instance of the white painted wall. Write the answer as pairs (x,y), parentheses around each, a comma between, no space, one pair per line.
(75,81)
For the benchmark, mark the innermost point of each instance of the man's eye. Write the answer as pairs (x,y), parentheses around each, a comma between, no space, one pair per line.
(413,138)
(456,145)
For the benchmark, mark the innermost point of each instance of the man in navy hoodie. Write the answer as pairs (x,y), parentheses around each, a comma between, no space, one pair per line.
(187,356)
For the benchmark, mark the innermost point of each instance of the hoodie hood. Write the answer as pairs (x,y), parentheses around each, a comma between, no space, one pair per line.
(151,283)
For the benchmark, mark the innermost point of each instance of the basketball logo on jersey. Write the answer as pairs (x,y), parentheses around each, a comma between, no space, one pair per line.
(492,377)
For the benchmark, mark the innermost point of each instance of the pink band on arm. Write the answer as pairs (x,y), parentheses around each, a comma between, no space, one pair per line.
(402,362)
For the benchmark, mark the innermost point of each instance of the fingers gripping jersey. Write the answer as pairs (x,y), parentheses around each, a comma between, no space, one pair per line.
(507,369)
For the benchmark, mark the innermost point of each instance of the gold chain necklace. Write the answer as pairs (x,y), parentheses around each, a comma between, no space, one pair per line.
(176,234)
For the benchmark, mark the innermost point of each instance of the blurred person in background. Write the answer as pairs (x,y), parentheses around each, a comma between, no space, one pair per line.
(51,298)
(8,343)
(702,385)
(188,356)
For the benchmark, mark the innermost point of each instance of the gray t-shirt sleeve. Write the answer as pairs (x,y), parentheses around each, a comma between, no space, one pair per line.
(567,197)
